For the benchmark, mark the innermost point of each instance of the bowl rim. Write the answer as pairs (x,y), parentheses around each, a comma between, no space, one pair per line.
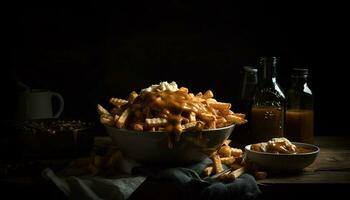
(161,132)
(315,149)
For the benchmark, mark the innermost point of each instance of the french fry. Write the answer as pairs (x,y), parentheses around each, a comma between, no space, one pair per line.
(220,120)
(227,142)
(228,160)
(225,151)
(206,117)
(236,152)
(235,119)
(199,94)
(116,117)
(117,102)
(122,119)
(192,117)
(211,124)
(220,105)
(184,89)
(137,126)
(233,175)
(226,112)
(132,96)
(102,111)
(208,94)
(155,122)
(241,115)
(220,125)
(208,171)
(217,164)
(107,120)
(211,101)
(200,125)
(189,126)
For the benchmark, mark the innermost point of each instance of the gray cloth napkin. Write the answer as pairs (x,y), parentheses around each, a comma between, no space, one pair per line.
(95,188)
(192,186)
(186,179)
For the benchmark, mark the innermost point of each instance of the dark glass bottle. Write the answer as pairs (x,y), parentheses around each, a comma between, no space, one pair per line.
(299,109)
(249,81)
(267,114)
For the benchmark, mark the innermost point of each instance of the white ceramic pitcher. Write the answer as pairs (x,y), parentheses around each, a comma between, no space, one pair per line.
(37,104)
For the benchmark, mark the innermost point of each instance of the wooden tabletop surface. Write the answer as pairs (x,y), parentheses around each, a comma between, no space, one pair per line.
(330,173)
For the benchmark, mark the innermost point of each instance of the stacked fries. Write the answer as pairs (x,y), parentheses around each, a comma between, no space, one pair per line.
(229,156)
(233,159)
(170,111)
(107,164)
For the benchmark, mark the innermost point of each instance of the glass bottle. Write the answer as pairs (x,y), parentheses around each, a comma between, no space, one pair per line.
(249,83)
(250,80)
(267,114)
(299,109)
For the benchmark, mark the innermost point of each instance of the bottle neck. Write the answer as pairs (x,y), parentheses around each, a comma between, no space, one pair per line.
(300,83)
(299,80)
(267,78)
(249,83)
(268,69)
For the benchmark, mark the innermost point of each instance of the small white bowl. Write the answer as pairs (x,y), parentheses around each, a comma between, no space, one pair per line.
(283,162)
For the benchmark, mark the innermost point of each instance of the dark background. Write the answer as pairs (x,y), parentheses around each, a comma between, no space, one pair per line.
(89,55)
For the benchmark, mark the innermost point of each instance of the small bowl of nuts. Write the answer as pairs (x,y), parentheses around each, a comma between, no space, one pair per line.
(48,138)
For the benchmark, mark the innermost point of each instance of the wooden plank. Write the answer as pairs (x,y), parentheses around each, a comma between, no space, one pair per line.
(331,160)
(317,177)
(342,142)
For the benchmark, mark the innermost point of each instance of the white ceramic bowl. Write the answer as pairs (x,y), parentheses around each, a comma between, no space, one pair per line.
(152,147)
(283,162)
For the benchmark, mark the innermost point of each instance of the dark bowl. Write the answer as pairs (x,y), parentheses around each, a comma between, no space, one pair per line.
(152,147)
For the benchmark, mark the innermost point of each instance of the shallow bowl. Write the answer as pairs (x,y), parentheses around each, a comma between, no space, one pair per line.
(283,162)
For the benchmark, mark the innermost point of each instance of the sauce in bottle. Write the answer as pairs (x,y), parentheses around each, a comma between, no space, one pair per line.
(300,115)
(267,116)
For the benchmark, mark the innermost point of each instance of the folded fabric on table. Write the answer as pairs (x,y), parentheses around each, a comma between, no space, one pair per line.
(187,179)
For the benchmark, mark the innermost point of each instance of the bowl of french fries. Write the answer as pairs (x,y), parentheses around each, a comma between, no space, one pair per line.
(166,124)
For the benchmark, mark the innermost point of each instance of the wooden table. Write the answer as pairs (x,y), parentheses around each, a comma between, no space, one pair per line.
(329,175)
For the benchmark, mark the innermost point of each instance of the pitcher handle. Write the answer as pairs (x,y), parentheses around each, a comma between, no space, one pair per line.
(61,103)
